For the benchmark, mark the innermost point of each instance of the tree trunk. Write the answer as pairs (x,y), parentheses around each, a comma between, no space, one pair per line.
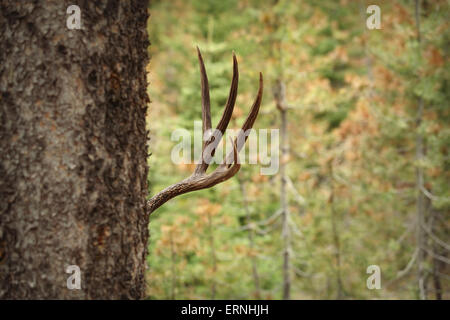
(251,238)
(280,102)
(420,202)
(285,216)
(73,149)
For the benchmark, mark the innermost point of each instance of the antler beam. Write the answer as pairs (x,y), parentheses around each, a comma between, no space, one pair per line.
(200,179)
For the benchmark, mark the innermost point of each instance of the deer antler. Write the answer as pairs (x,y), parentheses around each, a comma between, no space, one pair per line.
(200,179)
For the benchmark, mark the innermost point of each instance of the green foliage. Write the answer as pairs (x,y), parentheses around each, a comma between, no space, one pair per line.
(355,96)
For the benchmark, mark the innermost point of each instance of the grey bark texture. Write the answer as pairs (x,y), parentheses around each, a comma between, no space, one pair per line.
(73,149)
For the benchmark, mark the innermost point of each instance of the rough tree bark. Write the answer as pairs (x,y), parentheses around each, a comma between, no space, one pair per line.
(73,149)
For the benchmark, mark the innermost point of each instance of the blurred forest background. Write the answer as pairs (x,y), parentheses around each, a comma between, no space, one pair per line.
(366,169)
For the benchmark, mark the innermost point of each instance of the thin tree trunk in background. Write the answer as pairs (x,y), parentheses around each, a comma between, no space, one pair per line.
(336,240)
(420,203)
(173,268)
(285,208)
(213,256)
(250,238)
(436,278)
(73,149)
(279,93)
(437,264)
(280,100)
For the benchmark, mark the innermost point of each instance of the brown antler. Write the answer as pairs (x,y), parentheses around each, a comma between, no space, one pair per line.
(199,179)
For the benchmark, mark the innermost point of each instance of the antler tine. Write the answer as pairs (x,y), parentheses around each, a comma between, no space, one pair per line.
(206,103)
(226,116)
(223,123)
(206,111)
(248,124)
